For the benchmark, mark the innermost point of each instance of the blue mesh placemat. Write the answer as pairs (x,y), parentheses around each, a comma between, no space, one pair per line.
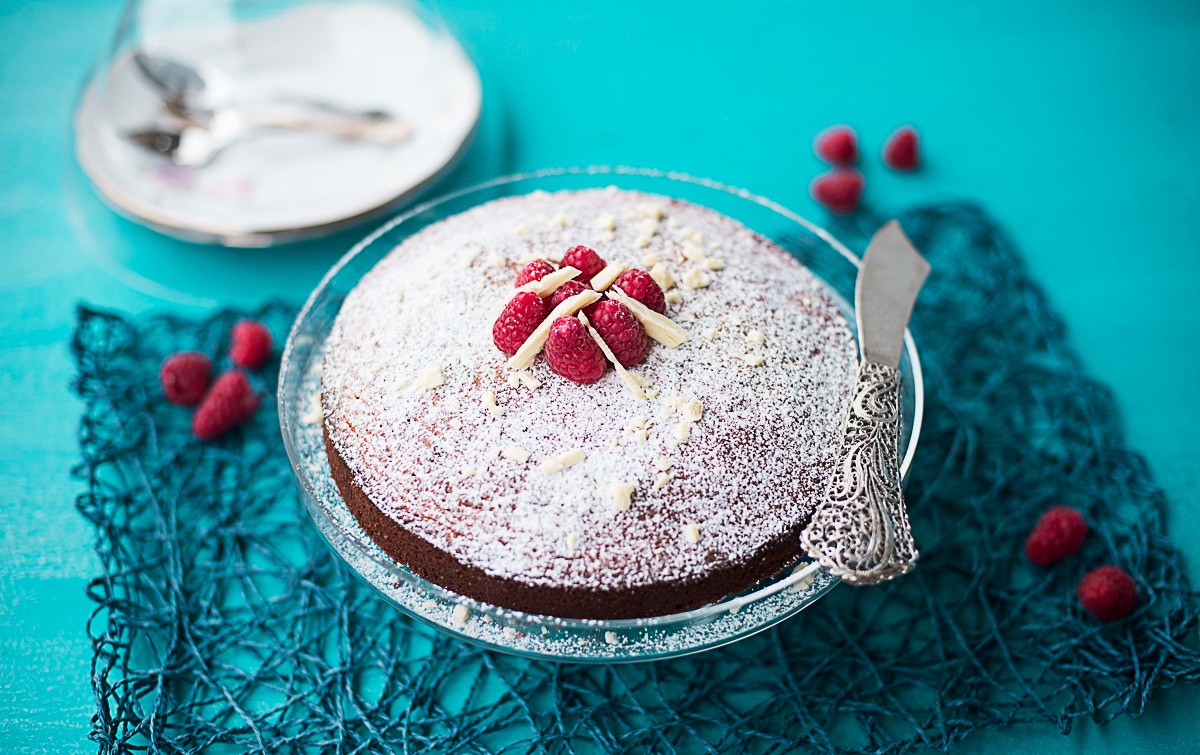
(223,620)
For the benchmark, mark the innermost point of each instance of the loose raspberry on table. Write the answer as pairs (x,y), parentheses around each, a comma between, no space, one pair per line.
(1058,534)
(585,260)
(534,271)
(901,152)
(625,336)
(185,377)
(571,352)
(837,145)
(1109,593)
(520,317)
(230,402)
(838,190)
(637,284)
(250,344)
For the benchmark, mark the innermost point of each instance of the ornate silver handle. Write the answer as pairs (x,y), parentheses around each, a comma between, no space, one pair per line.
(860,531)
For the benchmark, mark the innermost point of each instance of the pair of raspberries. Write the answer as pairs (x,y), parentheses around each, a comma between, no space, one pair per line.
(1109,593)
(570,350)
(230,400)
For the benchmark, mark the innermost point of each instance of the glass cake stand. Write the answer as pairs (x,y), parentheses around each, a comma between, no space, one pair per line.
(547,637)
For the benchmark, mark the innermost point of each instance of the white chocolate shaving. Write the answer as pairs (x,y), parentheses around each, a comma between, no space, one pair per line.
(627,377)
(610,273)
(659,327)
(662,276)
(549,283)
(489,403)
(431,378)
(537,339)
(515,453)
(652,211)
(691,533)
(562,461)
(527,379)
(696,278)
(620,494)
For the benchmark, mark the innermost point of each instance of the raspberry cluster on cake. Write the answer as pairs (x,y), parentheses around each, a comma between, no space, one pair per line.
(588,404)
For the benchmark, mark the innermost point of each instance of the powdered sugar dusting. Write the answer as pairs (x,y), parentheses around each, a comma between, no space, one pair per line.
(751,469)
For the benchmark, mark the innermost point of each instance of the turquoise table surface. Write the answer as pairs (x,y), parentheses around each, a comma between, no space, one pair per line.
(1076,123)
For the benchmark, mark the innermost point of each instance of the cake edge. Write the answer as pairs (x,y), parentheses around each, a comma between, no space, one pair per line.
(644,601)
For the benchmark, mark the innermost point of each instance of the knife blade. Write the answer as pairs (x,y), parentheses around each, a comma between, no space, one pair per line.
(891,274)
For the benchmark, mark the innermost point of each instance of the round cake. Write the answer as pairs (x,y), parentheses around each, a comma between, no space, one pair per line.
(537,475)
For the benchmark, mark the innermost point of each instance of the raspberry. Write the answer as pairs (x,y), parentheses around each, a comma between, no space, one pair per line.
(571,352)
(534,271)
(184,377)
(566,291)
(1108,592)
(900,151)
(637,284)
(625,336)
(837,145)
(838,190)
(1058,534)
(523,313)
(229,403)
(585,260)
(250,344)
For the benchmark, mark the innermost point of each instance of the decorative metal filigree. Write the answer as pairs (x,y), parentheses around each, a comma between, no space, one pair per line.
(861,532)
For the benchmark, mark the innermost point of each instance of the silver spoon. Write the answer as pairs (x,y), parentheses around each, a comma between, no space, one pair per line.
(203,132)
(194,144)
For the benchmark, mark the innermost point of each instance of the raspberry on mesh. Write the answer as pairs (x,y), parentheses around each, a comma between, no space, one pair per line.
(625,336)
(230,402)
(250,344)
(185,377)
(837,145)
(585,260)
(838,190)
(901,152)
(637,284)
(523,313)
(1109,593)
(566,291)
(534,271)
(571,352)
(1058,534)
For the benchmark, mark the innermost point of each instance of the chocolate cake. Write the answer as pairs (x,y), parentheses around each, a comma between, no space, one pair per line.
(647,492)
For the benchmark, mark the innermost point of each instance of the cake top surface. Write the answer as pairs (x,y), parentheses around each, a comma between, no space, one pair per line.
(729,450)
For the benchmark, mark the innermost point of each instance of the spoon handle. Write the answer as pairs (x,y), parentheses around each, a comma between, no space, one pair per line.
(861,531)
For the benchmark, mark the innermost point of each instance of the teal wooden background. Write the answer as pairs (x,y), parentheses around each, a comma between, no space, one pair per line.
(1074,122)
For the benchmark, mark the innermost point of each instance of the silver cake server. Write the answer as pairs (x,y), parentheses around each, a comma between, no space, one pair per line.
(860,531)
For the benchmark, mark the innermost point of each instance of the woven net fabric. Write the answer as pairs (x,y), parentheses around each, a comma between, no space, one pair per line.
(224,623)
